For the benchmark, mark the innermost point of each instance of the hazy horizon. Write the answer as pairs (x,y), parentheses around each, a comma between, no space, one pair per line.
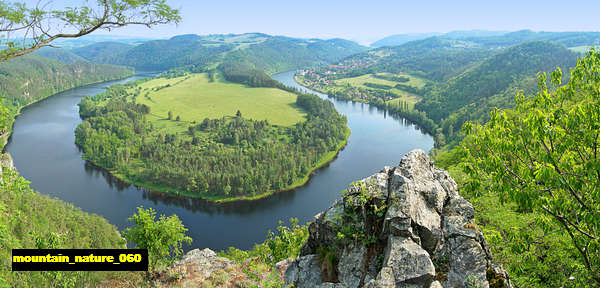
(115,35)
(365,22)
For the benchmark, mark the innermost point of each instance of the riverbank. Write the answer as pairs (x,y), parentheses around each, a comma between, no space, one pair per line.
(417,117)
(168,191)
(44,151)
(5,137)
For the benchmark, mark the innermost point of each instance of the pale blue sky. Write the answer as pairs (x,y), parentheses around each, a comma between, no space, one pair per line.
(367,21)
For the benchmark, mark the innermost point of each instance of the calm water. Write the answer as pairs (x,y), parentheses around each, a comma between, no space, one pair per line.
(44,152)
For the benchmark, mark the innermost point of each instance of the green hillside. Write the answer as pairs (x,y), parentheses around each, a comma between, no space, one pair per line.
(494,39)
(264,52)
(102,52)
(493,83)
(27,79)
(32,221)
(532,174)
(433,58)
(278,54)
(60,54)
(569,39)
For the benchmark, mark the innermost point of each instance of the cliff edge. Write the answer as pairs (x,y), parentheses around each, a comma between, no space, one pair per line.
(405,226)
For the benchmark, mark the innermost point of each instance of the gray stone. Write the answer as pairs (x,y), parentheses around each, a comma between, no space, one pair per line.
(425,219)
(468,263)
(409,261)
(304,272)
(350,265)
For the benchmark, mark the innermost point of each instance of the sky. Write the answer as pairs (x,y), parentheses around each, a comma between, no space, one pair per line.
(369,20)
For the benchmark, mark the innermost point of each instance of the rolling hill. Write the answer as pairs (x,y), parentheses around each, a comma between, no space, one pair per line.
(62,55)
(498,38)
(268,53)
(102,52)
(493,83)
(27,79)
(433,58)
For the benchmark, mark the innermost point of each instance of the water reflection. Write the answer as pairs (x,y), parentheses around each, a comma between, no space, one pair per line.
(53,163)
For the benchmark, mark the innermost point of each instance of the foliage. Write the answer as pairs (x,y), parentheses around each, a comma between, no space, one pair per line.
(494,76)
(246,74)
(102,52)
(31,220)
(543,156)
(28,79)
(163,238)
(287,241)
(43,26)
(278,54)
(226,158)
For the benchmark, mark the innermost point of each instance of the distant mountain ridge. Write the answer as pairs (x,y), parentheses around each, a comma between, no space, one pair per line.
(399,39)
(268,53)
(498,38)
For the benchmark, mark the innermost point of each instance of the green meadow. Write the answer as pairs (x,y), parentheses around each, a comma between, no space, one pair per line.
(194,98)
(407,97)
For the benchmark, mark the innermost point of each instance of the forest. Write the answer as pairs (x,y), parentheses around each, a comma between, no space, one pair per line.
(227,158)
(28,79)
(267,53)
(523,149)
(507,120)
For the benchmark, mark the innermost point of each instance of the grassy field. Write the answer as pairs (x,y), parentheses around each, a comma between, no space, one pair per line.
(194,98)
(361,80)
(410,98)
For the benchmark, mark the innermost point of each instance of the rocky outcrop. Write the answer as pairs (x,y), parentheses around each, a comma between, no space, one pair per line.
(405,226)
(195,269)
(6,161)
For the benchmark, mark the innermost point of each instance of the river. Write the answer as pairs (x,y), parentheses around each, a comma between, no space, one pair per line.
(44,152)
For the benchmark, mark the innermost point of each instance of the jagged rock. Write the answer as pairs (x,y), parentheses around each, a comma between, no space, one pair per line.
(409,262)
(195,267)
(282,266)
(425,221)
(324,228)
(350,266)
(304,272)
(468,263)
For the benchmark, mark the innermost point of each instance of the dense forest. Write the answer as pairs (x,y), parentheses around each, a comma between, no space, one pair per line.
(532,174)
(229,157)
(101,52)
(31,220)
(27,79)
(433,58)
(264,52)
(479,80)
(493,83)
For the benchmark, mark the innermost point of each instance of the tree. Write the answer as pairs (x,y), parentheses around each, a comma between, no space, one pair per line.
(170,115)
(39,26)
(162,238)
(544,155)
